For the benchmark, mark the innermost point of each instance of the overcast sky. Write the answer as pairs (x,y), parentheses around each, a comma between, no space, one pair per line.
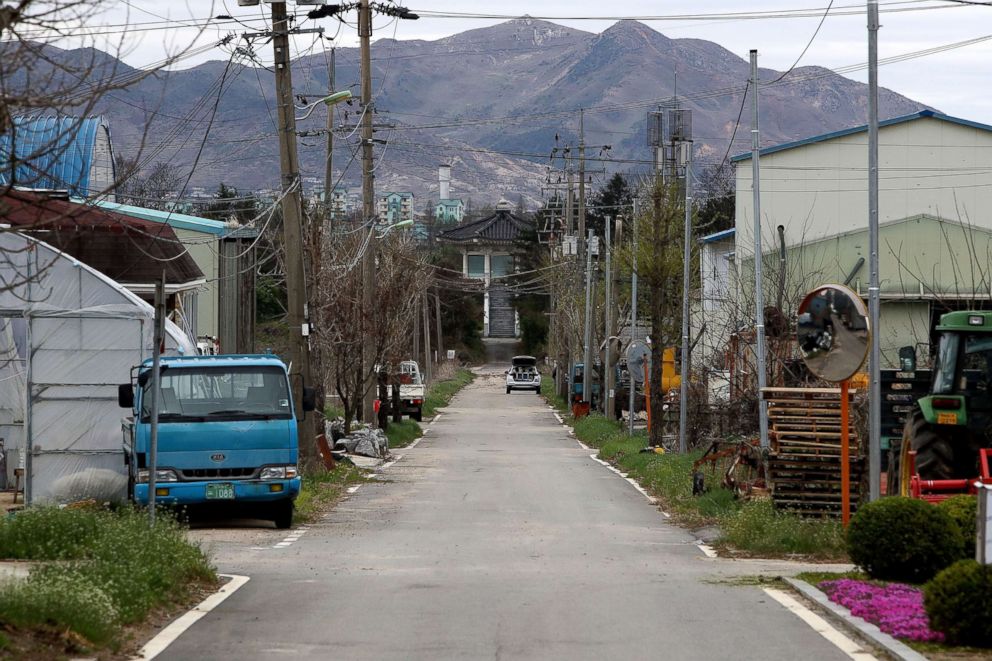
(957,81)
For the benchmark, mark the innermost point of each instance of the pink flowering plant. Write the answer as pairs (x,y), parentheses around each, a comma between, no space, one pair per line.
(896,609)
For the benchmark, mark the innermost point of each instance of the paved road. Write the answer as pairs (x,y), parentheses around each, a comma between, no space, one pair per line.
(495,537)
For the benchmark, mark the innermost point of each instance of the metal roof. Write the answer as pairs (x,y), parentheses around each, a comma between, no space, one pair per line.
(172,218)
(53,153)
(932,114)
(128,250)
(718,236)
(500,227)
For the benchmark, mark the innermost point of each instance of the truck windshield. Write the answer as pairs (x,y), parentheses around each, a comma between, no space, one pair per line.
(220,393)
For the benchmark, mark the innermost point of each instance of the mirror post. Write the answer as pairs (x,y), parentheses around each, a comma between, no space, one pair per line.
(845,454)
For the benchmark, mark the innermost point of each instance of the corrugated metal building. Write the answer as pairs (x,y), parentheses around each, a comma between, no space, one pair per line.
(59,153)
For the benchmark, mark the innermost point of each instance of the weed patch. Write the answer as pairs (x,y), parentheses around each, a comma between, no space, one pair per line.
(760,529)
(321,488)
(112,569)
(402,434)
(439,394)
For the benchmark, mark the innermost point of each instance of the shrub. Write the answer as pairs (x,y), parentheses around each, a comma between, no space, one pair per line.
(959,603)
(964,510)
(903,539)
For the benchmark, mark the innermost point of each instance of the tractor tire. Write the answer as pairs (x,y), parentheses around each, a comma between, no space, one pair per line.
(935,452)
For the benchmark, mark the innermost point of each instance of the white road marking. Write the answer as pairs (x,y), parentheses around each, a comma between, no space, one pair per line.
(354,488)
(557,417)
(413,445)
(707,550)
(291,538)
(632,481)
(820,626)
(168,635)
(436,418)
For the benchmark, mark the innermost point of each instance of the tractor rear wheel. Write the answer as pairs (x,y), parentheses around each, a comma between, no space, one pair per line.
(935,452)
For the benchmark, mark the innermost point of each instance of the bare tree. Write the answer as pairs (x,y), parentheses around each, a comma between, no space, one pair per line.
(342,323)
(151,187)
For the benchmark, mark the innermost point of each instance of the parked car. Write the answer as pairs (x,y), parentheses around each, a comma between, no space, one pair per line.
(523,375)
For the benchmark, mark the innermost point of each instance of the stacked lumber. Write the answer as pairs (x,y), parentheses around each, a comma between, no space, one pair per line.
(804,429)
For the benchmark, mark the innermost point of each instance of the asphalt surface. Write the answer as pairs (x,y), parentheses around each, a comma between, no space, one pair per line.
(496,537)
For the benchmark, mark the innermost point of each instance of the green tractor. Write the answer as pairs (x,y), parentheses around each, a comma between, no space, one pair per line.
(949,426)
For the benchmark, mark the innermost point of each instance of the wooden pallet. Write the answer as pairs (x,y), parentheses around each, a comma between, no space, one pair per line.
(804,462)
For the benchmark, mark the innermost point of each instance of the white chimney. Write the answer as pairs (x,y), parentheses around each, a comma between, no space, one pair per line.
(444,181)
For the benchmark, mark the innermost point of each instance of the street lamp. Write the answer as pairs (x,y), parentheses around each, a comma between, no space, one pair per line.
(402,223)
(329,100)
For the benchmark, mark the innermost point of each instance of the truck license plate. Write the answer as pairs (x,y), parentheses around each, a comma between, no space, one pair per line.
(220,491)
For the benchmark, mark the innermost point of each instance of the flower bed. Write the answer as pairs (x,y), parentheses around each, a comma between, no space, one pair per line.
(896,609)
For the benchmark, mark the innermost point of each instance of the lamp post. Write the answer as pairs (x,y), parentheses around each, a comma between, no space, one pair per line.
(329,100)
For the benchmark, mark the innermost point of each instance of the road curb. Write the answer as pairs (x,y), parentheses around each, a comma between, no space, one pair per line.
(180,625)
(878,637)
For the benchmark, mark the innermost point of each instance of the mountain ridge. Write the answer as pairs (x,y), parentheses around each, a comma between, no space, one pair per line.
(510,88)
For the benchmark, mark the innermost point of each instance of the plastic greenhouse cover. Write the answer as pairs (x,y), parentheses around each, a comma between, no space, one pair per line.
(75,334)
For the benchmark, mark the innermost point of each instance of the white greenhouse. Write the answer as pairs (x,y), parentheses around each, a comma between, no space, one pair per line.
(68,336)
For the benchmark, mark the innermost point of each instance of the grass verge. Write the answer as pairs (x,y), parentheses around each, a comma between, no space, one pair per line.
(440,393)
(322,488)
(402,434)
(111,570)
(751,528)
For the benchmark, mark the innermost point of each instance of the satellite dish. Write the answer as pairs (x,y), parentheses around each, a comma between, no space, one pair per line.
(833,333)
(638,355)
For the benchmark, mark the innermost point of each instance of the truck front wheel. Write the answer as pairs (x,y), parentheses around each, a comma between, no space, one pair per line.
(282,514)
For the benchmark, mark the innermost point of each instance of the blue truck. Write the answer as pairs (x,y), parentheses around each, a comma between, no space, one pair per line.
(227,434)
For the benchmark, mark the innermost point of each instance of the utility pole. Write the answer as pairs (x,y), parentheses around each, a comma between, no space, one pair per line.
(570,196)
(158,336)
(292,225)
(429,370)
(633,324)
(368,207)
(874,303)
(587,336)
(608,359)
(440,334)
(329,164)
(759,304)
(582,185)
(686,251)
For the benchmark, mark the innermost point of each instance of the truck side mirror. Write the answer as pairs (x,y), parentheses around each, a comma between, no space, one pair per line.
(309,399)
(125,396)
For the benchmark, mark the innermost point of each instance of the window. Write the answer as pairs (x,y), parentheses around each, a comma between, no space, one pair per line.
(476,266)
(220,393)
(501,264)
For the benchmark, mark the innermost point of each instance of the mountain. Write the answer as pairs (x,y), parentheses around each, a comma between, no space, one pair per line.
(489,101)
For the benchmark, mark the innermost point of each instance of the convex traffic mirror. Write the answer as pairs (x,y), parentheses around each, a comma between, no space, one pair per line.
(833,333)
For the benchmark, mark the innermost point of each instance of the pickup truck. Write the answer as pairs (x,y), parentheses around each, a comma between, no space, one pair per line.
(412,390)
(226,434)
(523,375)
